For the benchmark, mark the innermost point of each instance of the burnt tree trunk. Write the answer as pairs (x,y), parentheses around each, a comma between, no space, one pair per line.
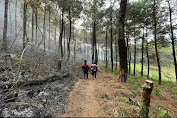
(5,26)
(61,33)
(24,23)
(16,3)
(155,39)
(64,29)
(10,17)
(74,46)
(44,27)
(55,35)
(36,14)
(32,34)
(145,100)
(49,30)
(173,42)
(70,28)
(121,42)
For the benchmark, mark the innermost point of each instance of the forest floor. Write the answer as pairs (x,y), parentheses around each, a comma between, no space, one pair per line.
(43,91)
(105,96)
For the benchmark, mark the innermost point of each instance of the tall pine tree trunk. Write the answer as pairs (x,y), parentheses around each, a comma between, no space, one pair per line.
(32,35)
(64,38)
(70,28)
(10,17)
(121,42)
(5,26)
(147,54)
(116,49)
(61,33)
(49,30)
(134,72)
(36,14)
(55,35)
(16,3)
(155,38)
(44,27)
(106,50)
(130,57)
(128,49)
(94,43)
(142,57)
(111,43)
(24,23)
(172,38)
(74,46)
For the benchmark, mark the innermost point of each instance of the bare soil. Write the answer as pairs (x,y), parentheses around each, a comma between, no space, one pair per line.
(105,96)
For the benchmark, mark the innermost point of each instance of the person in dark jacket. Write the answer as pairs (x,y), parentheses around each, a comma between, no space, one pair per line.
(85,68)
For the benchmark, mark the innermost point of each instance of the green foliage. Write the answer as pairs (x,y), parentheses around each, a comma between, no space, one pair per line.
(164,113)
(134,93)
(131,102)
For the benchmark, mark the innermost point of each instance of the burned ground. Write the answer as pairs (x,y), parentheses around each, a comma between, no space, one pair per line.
(34,89)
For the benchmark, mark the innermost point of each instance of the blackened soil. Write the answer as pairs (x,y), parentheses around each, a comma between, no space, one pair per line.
(47,99)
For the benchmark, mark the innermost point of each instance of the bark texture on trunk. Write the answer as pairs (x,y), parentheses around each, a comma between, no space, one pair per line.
(36,14)
(121,42)
(116,49)
(130,57)
(155,39)
(145,100)
(44,27)
(142,57)
(147,54)
(70,28)
(173,42)
(111,44)
(134,70)
(106,51)
(55,35)
(49,30)
(61,34)
(24,23)
(16,3)
(32,32)
(64,30)
(5,26)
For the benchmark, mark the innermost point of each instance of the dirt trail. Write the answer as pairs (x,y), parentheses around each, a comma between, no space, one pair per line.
(106,97)
(83,102)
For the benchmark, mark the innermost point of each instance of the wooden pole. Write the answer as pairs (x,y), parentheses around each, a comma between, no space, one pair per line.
(145,100)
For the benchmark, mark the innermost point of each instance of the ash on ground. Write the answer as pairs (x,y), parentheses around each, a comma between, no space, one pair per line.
(38,94)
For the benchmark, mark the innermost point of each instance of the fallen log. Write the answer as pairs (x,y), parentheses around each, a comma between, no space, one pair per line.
(50,78)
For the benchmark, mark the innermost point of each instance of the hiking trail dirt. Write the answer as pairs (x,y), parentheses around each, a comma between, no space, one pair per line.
(82,102)
(105,97)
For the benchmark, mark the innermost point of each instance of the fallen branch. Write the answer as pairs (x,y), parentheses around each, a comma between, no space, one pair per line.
(50,78)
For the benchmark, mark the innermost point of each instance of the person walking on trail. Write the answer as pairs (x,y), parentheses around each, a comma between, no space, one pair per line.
(85,68)
(94,69)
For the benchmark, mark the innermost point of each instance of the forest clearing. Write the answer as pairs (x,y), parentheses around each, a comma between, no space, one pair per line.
(88,58)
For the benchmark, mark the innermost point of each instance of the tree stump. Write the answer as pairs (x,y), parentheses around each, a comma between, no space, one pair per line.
(145,100)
